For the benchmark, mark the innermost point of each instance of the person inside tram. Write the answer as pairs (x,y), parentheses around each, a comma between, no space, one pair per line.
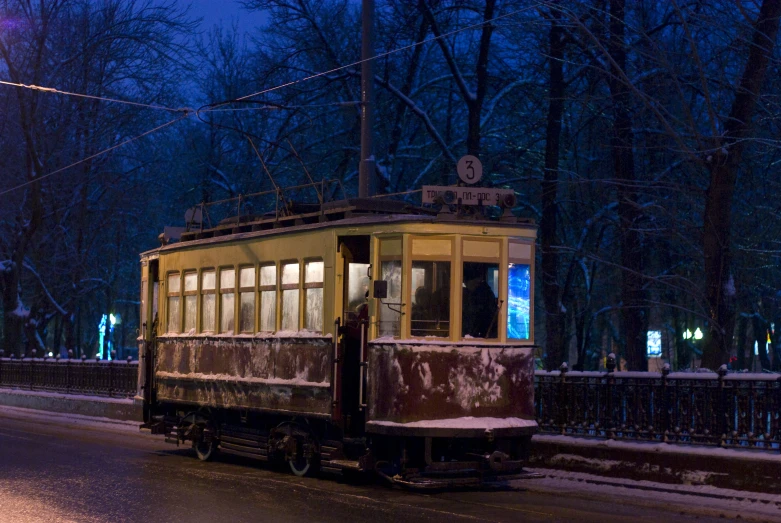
(479,305)
(421,312)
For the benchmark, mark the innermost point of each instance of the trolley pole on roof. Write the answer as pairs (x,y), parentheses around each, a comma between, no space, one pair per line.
(366,182)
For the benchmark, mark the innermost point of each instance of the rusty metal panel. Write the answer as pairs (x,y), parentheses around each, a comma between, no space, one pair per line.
(285,374)
(411,382)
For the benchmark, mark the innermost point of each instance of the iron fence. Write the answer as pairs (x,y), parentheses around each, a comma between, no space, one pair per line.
(709,408)
(71,376)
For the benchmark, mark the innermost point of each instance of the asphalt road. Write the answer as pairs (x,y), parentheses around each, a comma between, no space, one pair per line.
(57,470)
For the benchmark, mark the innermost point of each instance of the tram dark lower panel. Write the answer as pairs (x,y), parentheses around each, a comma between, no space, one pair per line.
(441,463)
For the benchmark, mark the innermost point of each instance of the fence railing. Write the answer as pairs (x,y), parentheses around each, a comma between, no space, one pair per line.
(71,376)
(708,408)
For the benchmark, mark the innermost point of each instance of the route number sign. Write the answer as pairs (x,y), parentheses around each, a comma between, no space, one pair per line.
(468,195)
(469,169)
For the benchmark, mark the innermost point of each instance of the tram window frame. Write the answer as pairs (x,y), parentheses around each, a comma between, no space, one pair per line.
(272,288)
(283,287)
(225,329)
(485,251)
(313,285)
(431,252)
(204,292)
(173,276)
(393,255)
(143,304)
(245,290)
(190,302)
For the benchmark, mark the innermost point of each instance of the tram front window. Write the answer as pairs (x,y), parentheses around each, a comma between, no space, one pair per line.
(479,311)
(430,299)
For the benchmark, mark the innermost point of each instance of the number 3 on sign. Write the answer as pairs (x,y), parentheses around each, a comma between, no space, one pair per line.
(469,169)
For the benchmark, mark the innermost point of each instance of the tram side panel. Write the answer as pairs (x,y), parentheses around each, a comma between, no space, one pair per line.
(427,383)
(290,375)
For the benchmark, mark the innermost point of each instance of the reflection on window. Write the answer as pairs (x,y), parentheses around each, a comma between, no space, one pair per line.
(227,300)
(174,303)
(268,298)
(207,301)
(479,311)
(290,295)
(247,299)
(357,286)
(313,283)
(390,307)
(431,299)
(518,288)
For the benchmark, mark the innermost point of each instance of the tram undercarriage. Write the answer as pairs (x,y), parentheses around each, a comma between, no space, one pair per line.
(311,447)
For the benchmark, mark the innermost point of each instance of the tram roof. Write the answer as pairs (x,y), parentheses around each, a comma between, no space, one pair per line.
(337,214)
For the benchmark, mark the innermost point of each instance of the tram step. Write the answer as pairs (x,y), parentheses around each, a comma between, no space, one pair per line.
(255,451)
(244,454)
(342,464)
(241,441)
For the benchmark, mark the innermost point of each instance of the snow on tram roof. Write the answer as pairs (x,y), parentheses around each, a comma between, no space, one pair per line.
(220,236)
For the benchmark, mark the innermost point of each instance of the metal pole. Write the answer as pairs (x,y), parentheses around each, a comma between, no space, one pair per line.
(366,168)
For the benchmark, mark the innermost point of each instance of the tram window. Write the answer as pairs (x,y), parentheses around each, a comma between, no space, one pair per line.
(174,303)
(390,307)
(357,287)
(207,300)
(190,300)
(227,299)
(431,299)
(247,299)
(290,278)
(268,298)
(518,299)
(313,283)
(479,311)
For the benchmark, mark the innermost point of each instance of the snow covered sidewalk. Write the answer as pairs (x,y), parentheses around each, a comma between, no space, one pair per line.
(705,500)
(95,406)
(670,464)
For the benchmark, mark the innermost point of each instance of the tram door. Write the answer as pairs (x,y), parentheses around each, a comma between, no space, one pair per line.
(355,318)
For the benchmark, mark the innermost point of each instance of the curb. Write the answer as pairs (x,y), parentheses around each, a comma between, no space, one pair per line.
(94,406)
(757,471)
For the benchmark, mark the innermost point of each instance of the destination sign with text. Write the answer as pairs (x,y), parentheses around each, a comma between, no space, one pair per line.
(467,195)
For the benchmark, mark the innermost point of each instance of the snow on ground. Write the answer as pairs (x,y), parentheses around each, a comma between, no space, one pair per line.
(665,448)
(65,396)
(70,420)
(705,499)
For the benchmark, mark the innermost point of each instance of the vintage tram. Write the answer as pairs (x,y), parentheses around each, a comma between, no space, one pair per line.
(359,335)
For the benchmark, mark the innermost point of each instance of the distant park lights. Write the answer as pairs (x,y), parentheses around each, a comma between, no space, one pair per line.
(697,335)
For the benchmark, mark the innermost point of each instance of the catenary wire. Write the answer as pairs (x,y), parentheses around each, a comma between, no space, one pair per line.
(215,106)
(375,57)
(93,97)
(104,151)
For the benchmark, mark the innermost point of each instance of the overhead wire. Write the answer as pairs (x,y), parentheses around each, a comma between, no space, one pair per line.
(91,157)
(375,57)
(217,105)
(94,97)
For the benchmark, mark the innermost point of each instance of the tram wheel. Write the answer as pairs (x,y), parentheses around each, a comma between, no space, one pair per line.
(205,449)
(300,465)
